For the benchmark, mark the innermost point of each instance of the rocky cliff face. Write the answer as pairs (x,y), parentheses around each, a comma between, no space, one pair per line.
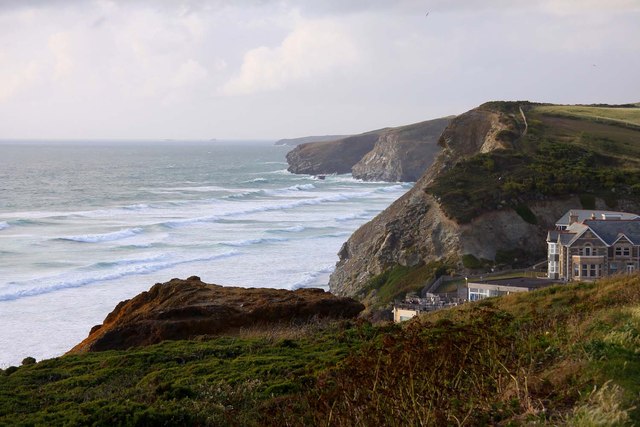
(330,156)
(417,228)
(402,154)
(184,309)
(392,154)
(414,229)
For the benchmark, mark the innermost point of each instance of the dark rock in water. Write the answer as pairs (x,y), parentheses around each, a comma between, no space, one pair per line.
(184,309)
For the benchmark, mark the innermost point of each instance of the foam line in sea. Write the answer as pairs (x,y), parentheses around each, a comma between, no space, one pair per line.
(105,237)
(67,281)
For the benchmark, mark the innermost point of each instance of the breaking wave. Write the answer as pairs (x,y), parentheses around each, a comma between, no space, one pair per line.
(106,237)
(56,283)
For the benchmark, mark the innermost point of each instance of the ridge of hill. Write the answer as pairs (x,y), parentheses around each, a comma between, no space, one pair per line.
(305,139)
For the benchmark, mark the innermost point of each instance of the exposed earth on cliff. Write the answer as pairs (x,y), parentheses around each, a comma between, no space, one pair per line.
(391,154)
(493,191)
(184,309)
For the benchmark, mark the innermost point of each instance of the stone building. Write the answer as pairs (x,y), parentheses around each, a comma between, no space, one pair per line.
(587,245)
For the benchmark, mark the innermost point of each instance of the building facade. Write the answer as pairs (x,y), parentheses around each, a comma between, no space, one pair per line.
(587,245)
(477,290)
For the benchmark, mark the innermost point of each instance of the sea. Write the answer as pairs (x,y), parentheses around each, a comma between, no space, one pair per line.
(87,224)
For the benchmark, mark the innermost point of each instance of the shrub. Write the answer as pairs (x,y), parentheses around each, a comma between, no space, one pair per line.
(471,262)
(526,213)
(588,201)
(28,361)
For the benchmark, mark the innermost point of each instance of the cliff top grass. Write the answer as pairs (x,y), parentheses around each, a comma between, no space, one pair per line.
(626,114)
(566,151)
(566,355)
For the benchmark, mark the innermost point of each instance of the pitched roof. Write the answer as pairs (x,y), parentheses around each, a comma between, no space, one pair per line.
(585,214)
(610,230)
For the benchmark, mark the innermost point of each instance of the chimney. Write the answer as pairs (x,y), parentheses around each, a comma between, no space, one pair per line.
(573,217)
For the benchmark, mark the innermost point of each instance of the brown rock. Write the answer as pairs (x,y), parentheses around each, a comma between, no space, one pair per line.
(184,309)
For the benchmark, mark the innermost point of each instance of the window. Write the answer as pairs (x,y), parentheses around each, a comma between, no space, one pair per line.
(584,270)
(592,270)
(553,249)
(623,251)
(576,269)
(586,250)
(613,268)
(476,294)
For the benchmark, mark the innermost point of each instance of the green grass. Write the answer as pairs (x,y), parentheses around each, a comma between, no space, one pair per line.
(566,355)
(561,356)
(626,115)
(397,281)
(559,157)
(222,381)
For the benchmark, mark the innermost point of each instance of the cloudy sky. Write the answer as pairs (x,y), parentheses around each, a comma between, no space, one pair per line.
(263,69)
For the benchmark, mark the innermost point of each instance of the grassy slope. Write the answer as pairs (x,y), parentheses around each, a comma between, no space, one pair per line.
(564,355)
(625,115)
(567,150)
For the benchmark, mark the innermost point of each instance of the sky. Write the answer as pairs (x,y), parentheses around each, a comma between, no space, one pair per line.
(263,69)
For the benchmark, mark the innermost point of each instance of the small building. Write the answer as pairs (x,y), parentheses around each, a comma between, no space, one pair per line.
(412,305)
(477,290)
(587,245)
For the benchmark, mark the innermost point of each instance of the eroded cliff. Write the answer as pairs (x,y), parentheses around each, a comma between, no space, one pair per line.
(402,154)
(184,309)
(492,193)
(391,154)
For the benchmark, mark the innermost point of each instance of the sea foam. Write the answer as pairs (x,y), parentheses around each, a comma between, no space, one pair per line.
(106,237)
(17,290)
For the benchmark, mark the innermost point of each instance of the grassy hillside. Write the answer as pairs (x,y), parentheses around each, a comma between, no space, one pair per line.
(590,151)
(626,115)
(561,356)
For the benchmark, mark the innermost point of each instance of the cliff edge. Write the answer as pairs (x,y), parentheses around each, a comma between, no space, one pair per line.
(391,154)
(184,309)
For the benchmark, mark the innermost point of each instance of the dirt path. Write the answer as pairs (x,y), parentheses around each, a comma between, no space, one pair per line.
(526,126)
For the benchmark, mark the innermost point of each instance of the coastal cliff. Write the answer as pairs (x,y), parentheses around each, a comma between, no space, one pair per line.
(329,157)
(184,309)
(402,154)
(507,171)
(391,154)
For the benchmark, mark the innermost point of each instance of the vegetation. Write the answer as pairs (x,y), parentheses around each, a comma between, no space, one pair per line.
(566,355)
(399,280)
(558,157)
(626,114)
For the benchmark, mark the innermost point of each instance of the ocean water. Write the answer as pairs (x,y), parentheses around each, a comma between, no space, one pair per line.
(84,226)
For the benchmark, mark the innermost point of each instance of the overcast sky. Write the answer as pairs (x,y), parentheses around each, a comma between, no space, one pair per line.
(265,69)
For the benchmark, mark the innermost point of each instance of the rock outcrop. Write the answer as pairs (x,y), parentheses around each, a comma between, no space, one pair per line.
(402,154)
(329,157)
(184,309)
(390,154)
